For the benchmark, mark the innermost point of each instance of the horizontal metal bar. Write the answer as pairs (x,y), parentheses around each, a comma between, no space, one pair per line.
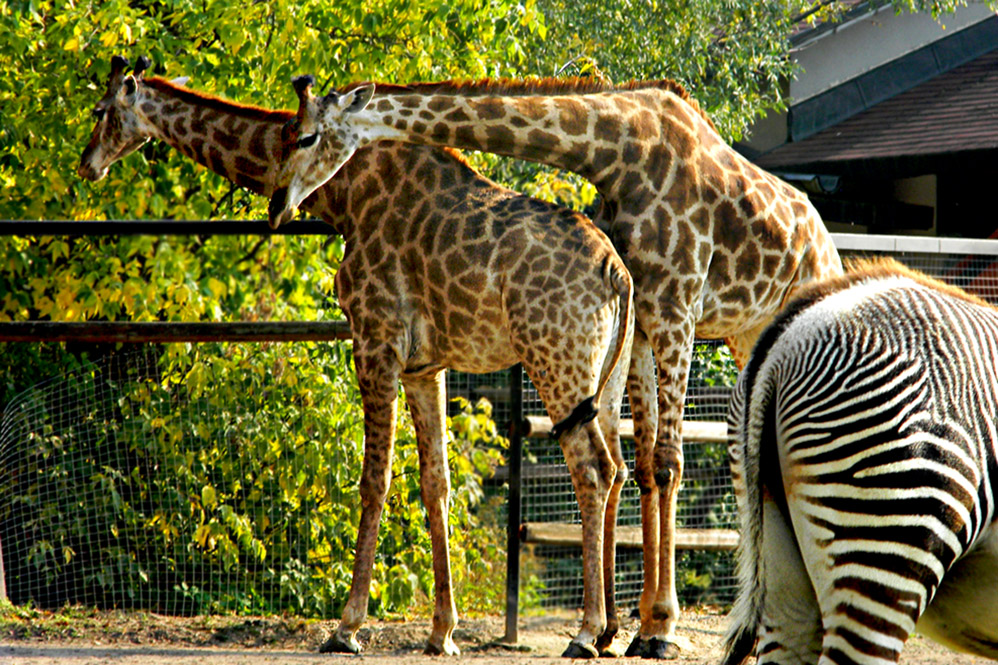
(862,242)
(559,472)
(693,430)
(121,227)
(570,535)
(171,331)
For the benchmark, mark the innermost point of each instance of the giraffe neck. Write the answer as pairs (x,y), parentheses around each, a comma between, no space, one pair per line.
(602,135)
(240,143)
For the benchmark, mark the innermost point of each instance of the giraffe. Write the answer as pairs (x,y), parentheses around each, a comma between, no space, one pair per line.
(715,245)
(442,269)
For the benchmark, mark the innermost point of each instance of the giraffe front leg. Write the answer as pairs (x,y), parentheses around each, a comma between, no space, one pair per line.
(378,379)
(427,397)
(672,355)
(643,396)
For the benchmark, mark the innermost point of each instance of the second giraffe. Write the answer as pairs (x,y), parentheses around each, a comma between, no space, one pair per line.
(714,244)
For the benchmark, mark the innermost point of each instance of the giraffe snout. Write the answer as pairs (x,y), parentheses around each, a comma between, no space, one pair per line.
(88,172)
(278,211)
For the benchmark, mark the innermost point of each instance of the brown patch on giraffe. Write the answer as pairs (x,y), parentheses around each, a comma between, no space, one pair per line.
(227,141)
(573,117)
(216,160)
(180,127)
(641,196)
(682,255)
(254,185)
(700,219)
(747,263)
(440,132)
(708,194)
(465,134)
(542,142)
(493,110)
(719,273)
(249,166)
(771,233)
(729,229)
(257,144)
(197,145)
(608,128)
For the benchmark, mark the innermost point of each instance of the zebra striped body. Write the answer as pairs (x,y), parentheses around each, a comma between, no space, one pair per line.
(865,460)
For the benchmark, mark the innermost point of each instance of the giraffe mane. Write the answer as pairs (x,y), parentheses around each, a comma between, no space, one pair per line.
(217,103)
(859,270)
(534,86)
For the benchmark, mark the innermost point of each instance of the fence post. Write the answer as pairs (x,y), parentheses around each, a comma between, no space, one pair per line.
(3,578)
(514,510)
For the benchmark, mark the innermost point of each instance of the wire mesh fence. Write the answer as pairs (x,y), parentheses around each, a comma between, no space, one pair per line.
(107,475)
(123,488)
(705,502)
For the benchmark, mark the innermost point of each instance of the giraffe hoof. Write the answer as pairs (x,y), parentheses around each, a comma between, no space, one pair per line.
(652,648)
(340,644)
(576,650)
(448,648)
(604,644)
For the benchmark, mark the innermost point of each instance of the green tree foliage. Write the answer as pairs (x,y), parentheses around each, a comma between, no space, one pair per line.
(731,55)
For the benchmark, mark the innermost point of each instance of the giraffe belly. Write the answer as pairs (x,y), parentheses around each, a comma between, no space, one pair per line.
(477,349)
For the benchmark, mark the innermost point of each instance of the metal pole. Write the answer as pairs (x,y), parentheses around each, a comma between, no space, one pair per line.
(3,579)
(513,522)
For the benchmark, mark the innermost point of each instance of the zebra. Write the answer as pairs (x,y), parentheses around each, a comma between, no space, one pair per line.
(864,454)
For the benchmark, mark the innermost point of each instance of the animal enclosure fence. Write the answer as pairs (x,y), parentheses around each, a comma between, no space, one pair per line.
(87,426)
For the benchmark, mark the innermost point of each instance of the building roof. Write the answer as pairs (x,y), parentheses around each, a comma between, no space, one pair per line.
(954,112)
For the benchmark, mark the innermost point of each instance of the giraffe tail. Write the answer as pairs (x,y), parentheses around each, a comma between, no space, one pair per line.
(616,275)
(619,279)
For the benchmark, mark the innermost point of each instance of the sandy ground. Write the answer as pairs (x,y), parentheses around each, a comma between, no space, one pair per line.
(129,639)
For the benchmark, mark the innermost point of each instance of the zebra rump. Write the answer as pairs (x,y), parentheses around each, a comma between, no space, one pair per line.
(864,452)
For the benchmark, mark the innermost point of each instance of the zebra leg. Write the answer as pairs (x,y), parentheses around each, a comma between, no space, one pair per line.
(790,620)
(964,613)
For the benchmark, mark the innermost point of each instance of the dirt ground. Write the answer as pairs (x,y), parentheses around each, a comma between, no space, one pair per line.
(120,638)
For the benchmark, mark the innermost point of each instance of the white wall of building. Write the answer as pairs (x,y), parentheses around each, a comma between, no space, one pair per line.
(856,47)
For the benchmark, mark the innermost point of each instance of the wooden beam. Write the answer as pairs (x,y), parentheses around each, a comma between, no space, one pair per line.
(628,537)
(693,430)
(171,331)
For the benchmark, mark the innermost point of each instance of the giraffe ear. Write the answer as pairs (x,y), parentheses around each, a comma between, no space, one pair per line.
(181,80)
(141,65)
(130,85)
(357,99)
(118,66)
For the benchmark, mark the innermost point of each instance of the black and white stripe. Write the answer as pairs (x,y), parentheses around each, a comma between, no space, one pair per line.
(865,430)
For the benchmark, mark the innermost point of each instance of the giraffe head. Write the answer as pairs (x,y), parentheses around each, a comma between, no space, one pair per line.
(121,129)
(115,134)
(316,142)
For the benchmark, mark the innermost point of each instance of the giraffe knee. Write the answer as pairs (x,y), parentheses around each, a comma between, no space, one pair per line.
(668,467)
(622,474)
(645,477)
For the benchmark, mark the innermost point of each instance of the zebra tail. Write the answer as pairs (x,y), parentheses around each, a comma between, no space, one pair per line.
(746,434)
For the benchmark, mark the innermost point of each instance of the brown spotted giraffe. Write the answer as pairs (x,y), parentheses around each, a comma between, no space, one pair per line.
(442,269)
(714,244)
